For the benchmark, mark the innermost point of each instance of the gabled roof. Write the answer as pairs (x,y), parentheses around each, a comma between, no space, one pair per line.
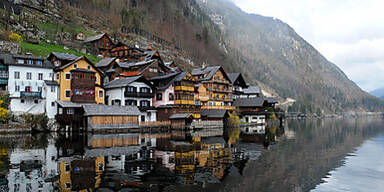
(165,80)
(11,59)
(78,59)
(237,77)
(249,102)
(272,100)
(125,82)
(63,56)
(94,38)
(213,113)
(180,116)
(134,64)
(209,72)
(68,104)
(101,110)
(105,62)
(252,90)
(82,70)
(173,69)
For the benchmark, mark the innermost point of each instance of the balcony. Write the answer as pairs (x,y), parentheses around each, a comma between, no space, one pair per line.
(220,81)
(185,88)
(31,94)
(138,94)
(220,90)
(230,108)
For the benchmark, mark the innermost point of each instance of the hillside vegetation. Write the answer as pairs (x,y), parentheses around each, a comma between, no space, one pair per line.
(202,32)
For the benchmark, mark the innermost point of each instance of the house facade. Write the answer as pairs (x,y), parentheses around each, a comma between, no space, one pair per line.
(30,84)
(99,44)
(132,91)
(238,84)
(80,82)
(214,89)
(251,110)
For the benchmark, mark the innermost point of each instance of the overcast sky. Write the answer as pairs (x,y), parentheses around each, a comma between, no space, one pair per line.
(350,33)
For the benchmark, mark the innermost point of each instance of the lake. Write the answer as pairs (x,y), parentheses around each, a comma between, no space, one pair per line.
(307,155)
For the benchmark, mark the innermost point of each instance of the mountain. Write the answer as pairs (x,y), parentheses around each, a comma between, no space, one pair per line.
(270,52)
(378,93)
(199,32)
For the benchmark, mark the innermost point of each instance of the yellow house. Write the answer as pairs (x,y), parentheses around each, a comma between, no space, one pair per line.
(80,82)
(215,89)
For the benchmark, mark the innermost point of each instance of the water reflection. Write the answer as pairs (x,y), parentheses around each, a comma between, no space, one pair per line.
(296,157)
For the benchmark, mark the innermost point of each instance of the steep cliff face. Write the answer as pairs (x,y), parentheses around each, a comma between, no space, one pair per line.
(212,32)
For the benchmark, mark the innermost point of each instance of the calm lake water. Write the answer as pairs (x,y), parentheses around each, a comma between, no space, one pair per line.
(311,155)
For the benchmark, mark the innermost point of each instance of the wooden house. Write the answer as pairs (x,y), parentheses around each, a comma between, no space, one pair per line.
(61,59)
(215,89)
(80,81)
(251,92)
(125,52)
(104,117)
(146,68)
(251,110)
(176,91)
(99,44)
(238,84)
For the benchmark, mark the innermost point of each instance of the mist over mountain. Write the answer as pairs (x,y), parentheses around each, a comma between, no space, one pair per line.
(378,93)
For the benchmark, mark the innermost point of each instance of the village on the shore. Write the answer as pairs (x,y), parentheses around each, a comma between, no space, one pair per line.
(129,88)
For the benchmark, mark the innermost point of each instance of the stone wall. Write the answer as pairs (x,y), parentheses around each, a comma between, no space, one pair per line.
(9,47)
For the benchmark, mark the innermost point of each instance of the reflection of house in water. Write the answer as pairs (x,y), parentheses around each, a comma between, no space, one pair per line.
(30,167)
(253,129)
(77,174)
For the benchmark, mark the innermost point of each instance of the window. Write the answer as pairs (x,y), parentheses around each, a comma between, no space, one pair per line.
(130,102)
(40,89)
(67,93)
(70,111)
(57,63)
(67,76)
(101,93)
(53,89)
(75,66)
(144,103)
(22,101)
(131,89)
(40,77)
(142,118)
(89,67)
(107,44)
(57,76)
(20,61)
(159,97)
(28,89)
(29,75)
(171,97)
(144,90)
(17,88)
(36,101)
(50,75)
(30,62)
(39,63)
(52,104)
(17,75)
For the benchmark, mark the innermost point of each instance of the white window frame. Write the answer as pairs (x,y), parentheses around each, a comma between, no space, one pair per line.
(66,76)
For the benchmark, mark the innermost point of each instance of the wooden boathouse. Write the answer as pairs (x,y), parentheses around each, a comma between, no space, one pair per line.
(116,118)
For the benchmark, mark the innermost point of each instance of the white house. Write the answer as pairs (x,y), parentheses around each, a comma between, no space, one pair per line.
(30,84)
(133,91)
